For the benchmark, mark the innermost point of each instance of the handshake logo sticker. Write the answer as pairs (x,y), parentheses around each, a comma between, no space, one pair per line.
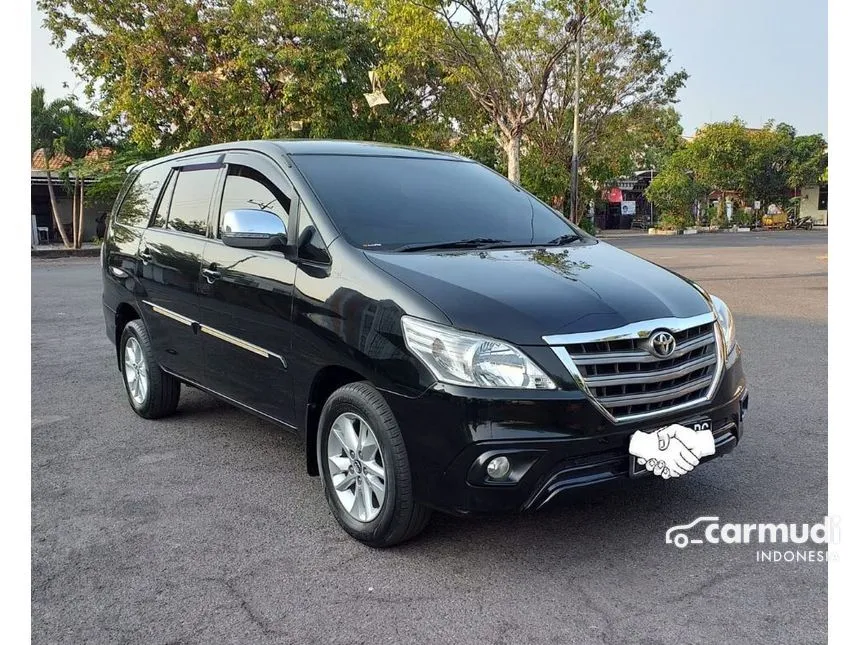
(671,451)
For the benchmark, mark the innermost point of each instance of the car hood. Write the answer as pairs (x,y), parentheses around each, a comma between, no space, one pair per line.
(520,295)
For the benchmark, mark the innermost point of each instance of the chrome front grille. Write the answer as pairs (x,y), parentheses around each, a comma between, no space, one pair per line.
(628,381)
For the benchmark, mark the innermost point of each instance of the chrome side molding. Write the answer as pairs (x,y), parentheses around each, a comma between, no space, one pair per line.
(217,333)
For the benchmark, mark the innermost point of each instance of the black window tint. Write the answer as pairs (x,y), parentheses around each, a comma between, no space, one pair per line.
(137,204)
(164,205)
(249,189)
(387,202)
(822,197)
(189,207)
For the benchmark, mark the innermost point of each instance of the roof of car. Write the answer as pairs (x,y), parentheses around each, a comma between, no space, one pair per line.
(314,147)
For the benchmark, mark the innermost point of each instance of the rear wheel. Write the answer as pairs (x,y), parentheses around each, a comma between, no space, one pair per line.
(152,392)
(365,469)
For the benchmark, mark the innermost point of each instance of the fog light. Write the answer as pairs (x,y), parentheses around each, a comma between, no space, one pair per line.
(498,468)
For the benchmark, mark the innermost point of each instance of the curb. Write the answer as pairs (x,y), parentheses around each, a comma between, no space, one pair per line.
(65,253)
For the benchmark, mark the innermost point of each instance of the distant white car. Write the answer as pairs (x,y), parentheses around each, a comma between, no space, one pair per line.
(676,536)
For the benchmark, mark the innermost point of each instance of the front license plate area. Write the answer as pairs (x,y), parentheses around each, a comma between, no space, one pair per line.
(638,470)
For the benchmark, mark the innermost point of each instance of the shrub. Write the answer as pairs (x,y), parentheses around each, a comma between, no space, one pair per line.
(742,218)
(670,221)
(587,225)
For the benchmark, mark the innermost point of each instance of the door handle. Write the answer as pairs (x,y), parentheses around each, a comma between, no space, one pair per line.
(145,256)
(211,275)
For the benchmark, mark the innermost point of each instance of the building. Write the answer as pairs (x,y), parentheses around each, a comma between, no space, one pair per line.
(813,202)
(624,204)
(40,203)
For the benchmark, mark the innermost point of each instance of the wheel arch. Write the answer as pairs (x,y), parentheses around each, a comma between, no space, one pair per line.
(325,382)
(125,313)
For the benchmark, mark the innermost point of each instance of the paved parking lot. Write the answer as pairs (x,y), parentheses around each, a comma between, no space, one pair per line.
(204,528)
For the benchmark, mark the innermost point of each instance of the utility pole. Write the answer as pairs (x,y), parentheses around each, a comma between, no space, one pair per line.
(575,26)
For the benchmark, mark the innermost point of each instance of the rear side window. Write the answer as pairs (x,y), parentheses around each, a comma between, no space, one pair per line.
(189,206)
(164,205)
(137,204)
(247,188)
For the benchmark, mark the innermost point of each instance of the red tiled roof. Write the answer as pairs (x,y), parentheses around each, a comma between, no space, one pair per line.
(98,154)
(57,162)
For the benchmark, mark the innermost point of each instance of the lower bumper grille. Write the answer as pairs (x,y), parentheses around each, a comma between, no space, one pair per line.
(646,369)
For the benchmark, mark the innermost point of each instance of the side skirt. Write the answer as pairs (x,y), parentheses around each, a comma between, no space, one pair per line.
(234,402)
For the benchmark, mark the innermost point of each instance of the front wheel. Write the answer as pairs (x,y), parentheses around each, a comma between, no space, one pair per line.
(365,469)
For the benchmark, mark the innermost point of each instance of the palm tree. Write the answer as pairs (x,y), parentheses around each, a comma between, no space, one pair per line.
(63,126)
(43,134)
(79,134)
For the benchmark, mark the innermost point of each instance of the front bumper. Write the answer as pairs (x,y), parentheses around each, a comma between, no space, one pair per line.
(556,441)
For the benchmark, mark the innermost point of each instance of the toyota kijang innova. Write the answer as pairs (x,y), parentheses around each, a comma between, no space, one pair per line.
(440,338)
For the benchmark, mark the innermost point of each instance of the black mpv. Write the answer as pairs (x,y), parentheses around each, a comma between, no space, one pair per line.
(439,337)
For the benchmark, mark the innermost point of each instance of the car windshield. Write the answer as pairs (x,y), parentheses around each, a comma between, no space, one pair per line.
(397,203)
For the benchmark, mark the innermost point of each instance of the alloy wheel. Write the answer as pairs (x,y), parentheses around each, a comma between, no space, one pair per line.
(136,374)
(356,468)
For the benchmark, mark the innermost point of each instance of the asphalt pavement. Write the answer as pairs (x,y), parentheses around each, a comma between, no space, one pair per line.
(205,528)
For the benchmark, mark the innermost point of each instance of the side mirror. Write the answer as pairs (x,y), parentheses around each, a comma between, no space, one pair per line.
(253,229)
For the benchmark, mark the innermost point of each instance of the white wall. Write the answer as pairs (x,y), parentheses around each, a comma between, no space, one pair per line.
(64,206)
(809,205)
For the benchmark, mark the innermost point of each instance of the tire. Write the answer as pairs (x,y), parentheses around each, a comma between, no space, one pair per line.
(152,392)
(357,407)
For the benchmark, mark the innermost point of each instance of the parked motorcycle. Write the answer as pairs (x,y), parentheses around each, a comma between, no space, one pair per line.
(804,222)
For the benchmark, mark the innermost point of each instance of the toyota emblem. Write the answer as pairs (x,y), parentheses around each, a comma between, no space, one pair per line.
(661,344)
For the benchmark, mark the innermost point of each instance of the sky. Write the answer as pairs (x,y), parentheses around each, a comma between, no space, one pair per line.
(755,59)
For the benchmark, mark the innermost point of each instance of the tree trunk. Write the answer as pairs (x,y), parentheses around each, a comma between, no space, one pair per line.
(54,209)
(75,214)
(512,148)
(81,219)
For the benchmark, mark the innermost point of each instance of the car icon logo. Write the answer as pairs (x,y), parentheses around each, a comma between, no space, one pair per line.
(677,536)
(661,344)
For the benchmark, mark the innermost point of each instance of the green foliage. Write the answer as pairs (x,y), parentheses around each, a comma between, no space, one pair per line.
(547,181)
(763,164)
(626,119)
(183,74)
(717,215)
(110,174)
(674,221)
(742,218)
(505,55)
(718,155)
(62,126)
(808,161)
(674,189)
(587,225)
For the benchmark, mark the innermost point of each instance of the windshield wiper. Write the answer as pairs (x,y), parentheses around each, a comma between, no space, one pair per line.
(564,239)
(474,243)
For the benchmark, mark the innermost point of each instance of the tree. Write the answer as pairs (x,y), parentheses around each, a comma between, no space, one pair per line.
(183,73)
(719,156)
(807,161)
(674,190)
(504,52)
(44,132)
(79,133)
(626,119)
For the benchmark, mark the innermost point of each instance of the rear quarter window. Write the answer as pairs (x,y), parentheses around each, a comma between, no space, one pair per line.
(136,207)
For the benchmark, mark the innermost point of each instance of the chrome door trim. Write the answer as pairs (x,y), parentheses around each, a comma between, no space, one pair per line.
(170,314)
(217,333)
(244,344)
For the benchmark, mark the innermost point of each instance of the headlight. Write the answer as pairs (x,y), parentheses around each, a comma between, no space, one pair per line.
(727,322)
(461,358)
